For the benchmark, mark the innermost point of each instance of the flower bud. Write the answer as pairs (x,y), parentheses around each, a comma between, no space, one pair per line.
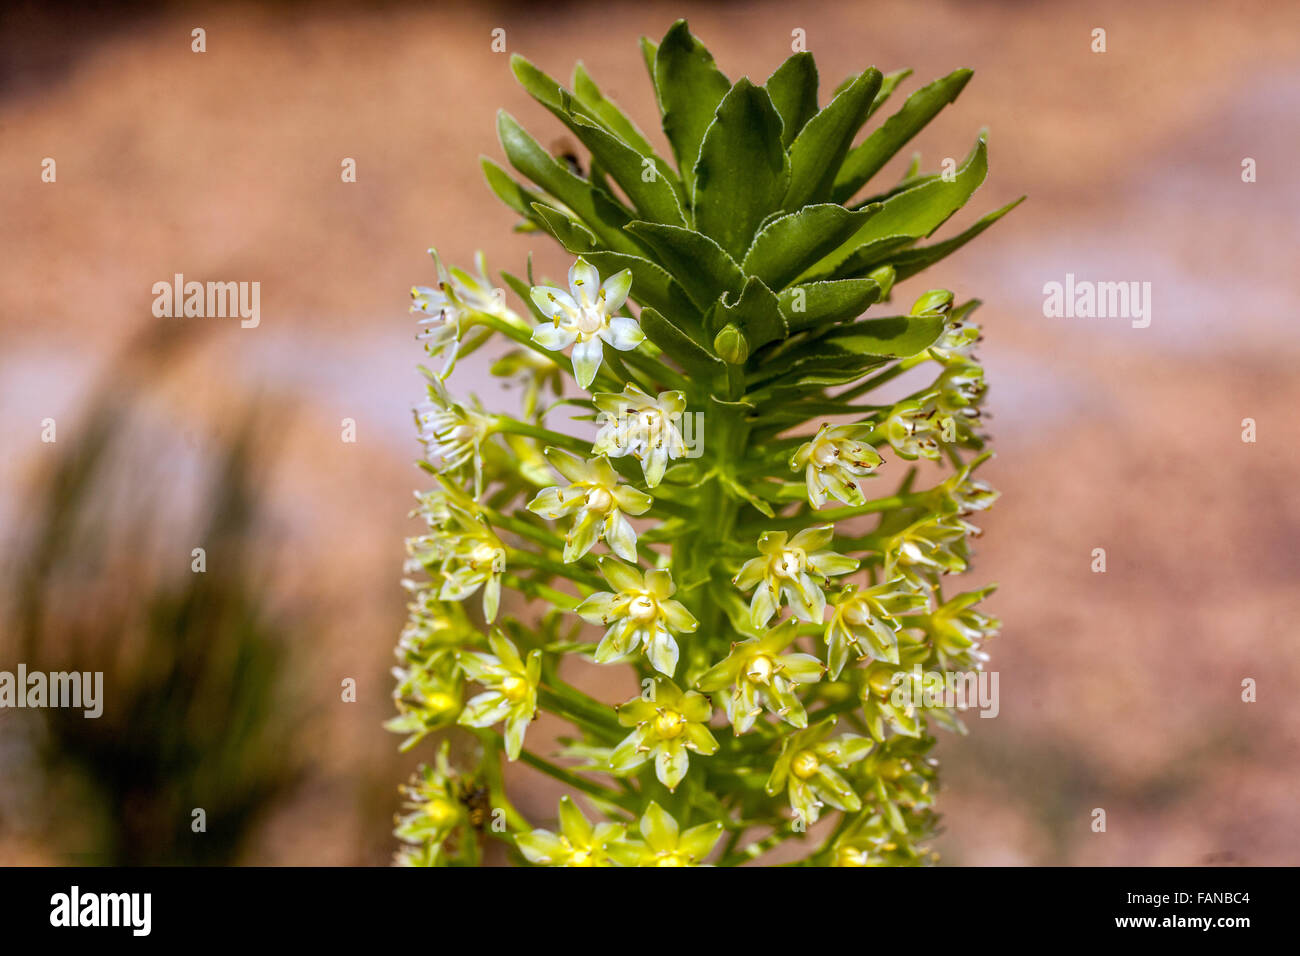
(883,277)
(730,345)
(934,301)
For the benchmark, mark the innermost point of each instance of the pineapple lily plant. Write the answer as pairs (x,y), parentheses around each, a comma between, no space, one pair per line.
(692,498)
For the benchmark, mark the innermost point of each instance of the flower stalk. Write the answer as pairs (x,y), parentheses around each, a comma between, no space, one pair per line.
(708,520)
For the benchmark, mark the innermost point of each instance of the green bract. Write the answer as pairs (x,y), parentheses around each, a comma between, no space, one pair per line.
(690,491)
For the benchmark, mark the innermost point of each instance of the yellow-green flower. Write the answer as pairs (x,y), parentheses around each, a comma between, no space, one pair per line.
(665,844)
(433,812)
(957,343)
(957,630)
(452,434)
(873,842)
(427,697)
(456,299)
(538,373)
(963,494)
(639,614)
(511,693)
(789,568)
(665,729)
(901,776)
(928,548)
(598,502)
(833,462)
(757,674)
(911,428)
(808,768)
(633,423)
(434,629)
(867,622)
(460,551)
(577,844)
(882,704)
(959,390)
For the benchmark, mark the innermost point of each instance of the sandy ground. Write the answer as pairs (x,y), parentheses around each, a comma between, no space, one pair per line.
(1119,691)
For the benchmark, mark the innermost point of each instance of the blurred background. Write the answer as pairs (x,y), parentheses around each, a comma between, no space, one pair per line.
(1119,690)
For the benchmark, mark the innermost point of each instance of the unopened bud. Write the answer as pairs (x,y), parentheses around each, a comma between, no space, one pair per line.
(883,277)
(731,346)
(934,301)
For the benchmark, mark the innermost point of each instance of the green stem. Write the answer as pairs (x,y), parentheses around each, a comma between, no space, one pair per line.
(656,369)
(576,782)
(524,529)
(492,775)
(531,588)
(615,363)
(472,344)
(569,572)
(824,851)
(831,515)
(889,374)
(755,849)
(505,423)
(578,708)
(696,549)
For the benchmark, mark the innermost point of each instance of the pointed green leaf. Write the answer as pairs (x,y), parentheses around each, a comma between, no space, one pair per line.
(704,270)
(844,84)
(793,89)
(920,211)
(899,336)
(916,212)
(822,144)
(515,195)
(823,303)
(911,261)
(790,243)
(689,354)
(642,180)
(571,234)
(740,492)
(546,90)
(597,210)
(589,94)
(646,184)
(848,349)
(866,257)
(743,172)
(689,87)
(775,398)
(756,312)
(911,177)
(869,158)
(887,86)
(649,51)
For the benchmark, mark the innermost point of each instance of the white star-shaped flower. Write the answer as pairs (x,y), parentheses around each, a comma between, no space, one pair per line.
(585,315)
